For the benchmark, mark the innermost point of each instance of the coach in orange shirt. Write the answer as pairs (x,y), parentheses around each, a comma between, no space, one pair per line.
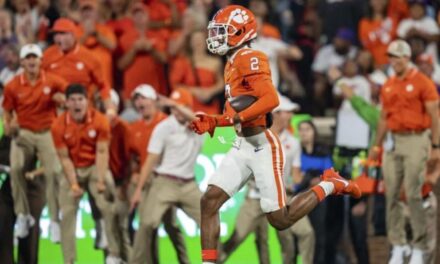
(75,63)
(97,37)
(143,55)
(81,136)
(32,98)
(410,110)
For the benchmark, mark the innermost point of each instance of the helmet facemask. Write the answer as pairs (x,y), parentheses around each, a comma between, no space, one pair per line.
(218,36)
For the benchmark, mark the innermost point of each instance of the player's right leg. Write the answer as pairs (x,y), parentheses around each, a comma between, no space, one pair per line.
(300,205)
(231,175)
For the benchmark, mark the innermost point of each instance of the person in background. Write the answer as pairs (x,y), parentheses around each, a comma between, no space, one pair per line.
(328,56)
(425,64)
(10,54)
(409,109)
(30,101)
(263,9)
(81,136)
(420,25)
(199,73)
(143,55)
(315,158)
(7,35)
(276,50)
(75,63)
(371,114)
(97,37)
(377,30)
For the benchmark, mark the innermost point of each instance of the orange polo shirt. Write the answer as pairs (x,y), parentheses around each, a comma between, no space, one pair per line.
(120,26)
(183,73)
(270,31)
(103,54)
(81,139)
(33,104)
(375,36)
(119,148)
(77,66)
(144,68)
(404,101)
(140,133)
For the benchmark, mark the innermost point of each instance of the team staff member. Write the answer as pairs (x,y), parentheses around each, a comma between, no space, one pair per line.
(81,136)
(32,98)
(76,64)
(410,109)
(172,154)
(144,99)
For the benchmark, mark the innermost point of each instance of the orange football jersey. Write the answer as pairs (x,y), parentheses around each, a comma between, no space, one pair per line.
(247,72)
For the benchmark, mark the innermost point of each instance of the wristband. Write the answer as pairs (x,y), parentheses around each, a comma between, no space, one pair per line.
(75,187)
(435,146)
(223,120)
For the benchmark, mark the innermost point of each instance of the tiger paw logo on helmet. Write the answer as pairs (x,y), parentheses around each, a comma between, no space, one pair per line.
(239,16)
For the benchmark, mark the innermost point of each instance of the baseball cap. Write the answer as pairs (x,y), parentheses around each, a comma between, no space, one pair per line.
(399,48)
(286,105)
(146,91)
(29,49)
(64,25)
(183,97)
(346,34)
(88,3)
(425,58)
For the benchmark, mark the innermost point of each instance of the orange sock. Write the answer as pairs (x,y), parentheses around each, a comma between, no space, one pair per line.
(209,255)
(319,191)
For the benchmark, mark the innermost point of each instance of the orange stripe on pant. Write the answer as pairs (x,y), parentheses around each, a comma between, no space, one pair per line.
(276,170)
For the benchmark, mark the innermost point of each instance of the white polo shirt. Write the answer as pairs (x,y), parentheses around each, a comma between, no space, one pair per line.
(178,146)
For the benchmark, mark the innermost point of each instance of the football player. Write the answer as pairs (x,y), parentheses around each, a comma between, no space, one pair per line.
(257,151)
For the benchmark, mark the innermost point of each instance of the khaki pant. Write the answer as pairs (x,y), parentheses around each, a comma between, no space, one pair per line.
(163,194)
(430,206)
(87,179)
(122,207)
(407,165)
(250,219)
(25,149)
(305,234)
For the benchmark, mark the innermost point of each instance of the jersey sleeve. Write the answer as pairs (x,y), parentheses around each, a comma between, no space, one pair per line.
(429,92)
(98,79)
(252,62)
(254,67)
(57,132)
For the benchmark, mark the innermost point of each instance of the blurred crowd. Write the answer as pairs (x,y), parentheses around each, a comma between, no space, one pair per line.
(127,58)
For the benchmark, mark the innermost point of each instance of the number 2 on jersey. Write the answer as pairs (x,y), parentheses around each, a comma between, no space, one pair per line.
(254,64)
